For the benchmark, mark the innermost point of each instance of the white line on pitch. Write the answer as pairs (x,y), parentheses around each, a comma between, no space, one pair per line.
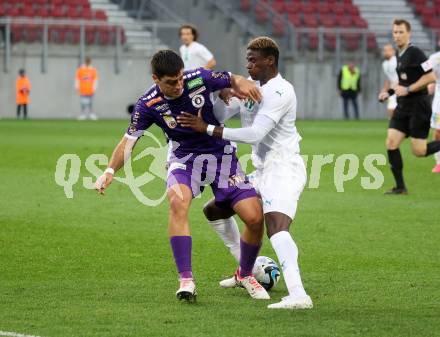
(15,334)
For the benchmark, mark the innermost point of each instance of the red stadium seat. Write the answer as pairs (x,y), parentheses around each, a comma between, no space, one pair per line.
(330,41)
(245,5)
(371,41)
(261,14)
(295,19)
(310,21)
(313,41)
(278,27)
(100,15)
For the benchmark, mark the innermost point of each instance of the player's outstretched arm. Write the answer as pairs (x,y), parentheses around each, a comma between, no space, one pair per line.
(244,88)
(120,154)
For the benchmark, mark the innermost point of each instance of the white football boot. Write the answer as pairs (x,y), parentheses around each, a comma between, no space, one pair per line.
(232,283)
(187,290)
(293,302)
(249,283)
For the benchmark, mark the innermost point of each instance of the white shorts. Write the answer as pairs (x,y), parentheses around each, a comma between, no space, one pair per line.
(435,118)
(392,102)
(280,184)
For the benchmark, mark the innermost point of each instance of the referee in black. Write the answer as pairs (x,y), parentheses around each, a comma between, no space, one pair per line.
(412,115)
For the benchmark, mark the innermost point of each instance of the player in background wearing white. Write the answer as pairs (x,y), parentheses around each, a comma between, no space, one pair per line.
(193,53)
(280,174)
(391,78)
(434,59)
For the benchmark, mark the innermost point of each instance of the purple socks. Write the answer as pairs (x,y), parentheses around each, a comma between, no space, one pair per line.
(182,246)
(248,256)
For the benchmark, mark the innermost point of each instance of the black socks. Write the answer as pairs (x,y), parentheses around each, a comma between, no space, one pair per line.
(396,163)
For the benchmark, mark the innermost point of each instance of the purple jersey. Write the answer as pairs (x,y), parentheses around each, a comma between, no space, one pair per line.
(154,107)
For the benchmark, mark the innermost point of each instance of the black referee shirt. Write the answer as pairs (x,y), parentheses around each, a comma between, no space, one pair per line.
(410,67)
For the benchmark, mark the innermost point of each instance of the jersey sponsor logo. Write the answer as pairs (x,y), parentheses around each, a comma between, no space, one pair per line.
(170,121)
(154,101)
(162,107)
(197,82)
(198,101)
(404,76)
(198,91)
(133,125)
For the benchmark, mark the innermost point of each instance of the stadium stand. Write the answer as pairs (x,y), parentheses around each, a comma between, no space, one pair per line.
(429,14)
(78,10)
(313,14)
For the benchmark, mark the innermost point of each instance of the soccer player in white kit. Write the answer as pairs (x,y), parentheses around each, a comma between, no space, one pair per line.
(193,53)
(391,78)
(280,174)
(434,60)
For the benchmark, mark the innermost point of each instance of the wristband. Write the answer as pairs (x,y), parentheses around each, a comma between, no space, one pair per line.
(109,170)
(407,89)
(210,129)
(390,92)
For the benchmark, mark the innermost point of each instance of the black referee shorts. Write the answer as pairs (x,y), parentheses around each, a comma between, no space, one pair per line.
(412,116)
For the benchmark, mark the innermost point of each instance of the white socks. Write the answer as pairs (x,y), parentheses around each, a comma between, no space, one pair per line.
(228,231)
(287,252)
(437,157)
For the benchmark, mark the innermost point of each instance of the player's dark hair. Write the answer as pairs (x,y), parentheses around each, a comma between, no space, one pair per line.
(194,31)
(399,22)
(266,46)
(166,63)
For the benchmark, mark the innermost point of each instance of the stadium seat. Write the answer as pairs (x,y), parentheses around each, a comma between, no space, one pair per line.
(261,14)
(245,5)
(100,15)
(278,28)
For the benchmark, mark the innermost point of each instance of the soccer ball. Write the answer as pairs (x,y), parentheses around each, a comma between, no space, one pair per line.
(267,272)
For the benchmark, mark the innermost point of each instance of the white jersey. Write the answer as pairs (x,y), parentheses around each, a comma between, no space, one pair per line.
(195,55)
(389,68)
(434,61)
(281,174)
(279,104)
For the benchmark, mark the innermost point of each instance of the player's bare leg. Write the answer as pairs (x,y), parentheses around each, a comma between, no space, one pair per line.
(436,168)
(180,197)
(393,141)
(278,225)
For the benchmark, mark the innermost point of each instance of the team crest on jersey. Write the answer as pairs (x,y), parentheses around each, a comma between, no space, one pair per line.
(198,101)
(249,105)
(171,122)
(403,76)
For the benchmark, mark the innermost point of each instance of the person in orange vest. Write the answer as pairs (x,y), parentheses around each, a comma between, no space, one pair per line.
(22,89)
(86,82)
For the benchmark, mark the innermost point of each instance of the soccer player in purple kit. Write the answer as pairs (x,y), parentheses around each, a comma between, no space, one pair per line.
(197,160)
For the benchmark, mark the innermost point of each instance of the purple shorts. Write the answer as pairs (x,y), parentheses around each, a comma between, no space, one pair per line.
(221,171)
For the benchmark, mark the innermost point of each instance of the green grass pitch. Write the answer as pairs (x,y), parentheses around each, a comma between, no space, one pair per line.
(102,266)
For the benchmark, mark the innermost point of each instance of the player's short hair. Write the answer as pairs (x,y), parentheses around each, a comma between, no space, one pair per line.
(194,31)
(399,22)
(266,46)
(166,63)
